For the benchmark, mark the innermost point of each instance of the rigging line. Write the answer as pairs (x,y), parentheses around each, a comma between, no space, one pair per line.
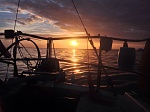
(80,18)
(17,14)
(27,52)
(28,63)
(91,86)
(88,35)
(6,77)
(21,55)
(12,39)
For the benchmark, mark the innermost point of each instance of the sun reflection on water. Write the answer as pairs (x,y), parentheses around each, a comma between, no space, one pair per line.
(74,60)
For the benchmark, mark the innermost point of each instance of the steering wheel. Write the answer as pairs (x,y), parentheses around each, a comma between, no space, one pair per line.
(19,50)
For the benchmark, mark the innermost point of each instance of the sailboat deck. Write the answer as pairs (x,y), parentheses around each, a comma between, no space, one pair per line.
(105,103)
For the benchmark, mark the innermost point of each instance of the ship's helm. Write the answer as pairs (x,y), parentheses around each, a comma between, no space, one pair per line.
(19,51)
(36,66)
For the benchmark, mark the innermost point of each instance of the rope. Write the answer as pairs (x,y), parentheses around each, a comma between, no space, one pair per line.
(16,15)
(98,56)
(26,50)
(91,85)
(88,35)
(80,17)
(28,63)
(6,77)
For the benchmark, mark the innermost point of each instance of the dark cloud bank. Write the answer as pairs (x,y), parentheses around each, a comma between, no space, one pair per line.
(120,18)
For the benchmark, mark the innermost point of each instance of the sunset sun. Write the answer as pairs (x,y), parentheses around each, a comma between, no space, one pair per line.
(74,43)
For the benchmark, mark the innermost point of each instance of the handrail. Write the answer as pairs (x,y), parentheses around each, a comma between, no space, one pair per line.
(80,37)
(84,37)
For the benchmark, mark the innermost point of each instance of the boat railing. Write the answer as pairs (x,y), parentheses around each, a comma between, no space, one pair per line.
(100,64)
(78,37)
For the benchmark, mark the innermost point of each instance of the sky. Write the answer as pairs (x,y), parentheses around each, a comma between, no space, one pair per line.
(55,18)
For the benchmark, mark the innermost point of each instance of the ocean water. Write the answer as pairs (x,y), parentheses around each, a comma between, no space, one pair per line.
(75,63)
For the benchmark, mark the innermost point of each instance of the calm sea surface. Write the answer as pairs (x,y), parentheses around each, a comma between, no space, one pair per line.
(75,64)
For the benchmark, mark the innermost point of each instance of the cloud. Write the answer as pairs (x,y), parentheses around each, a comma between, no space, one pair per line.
(121,18)
(29,20)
